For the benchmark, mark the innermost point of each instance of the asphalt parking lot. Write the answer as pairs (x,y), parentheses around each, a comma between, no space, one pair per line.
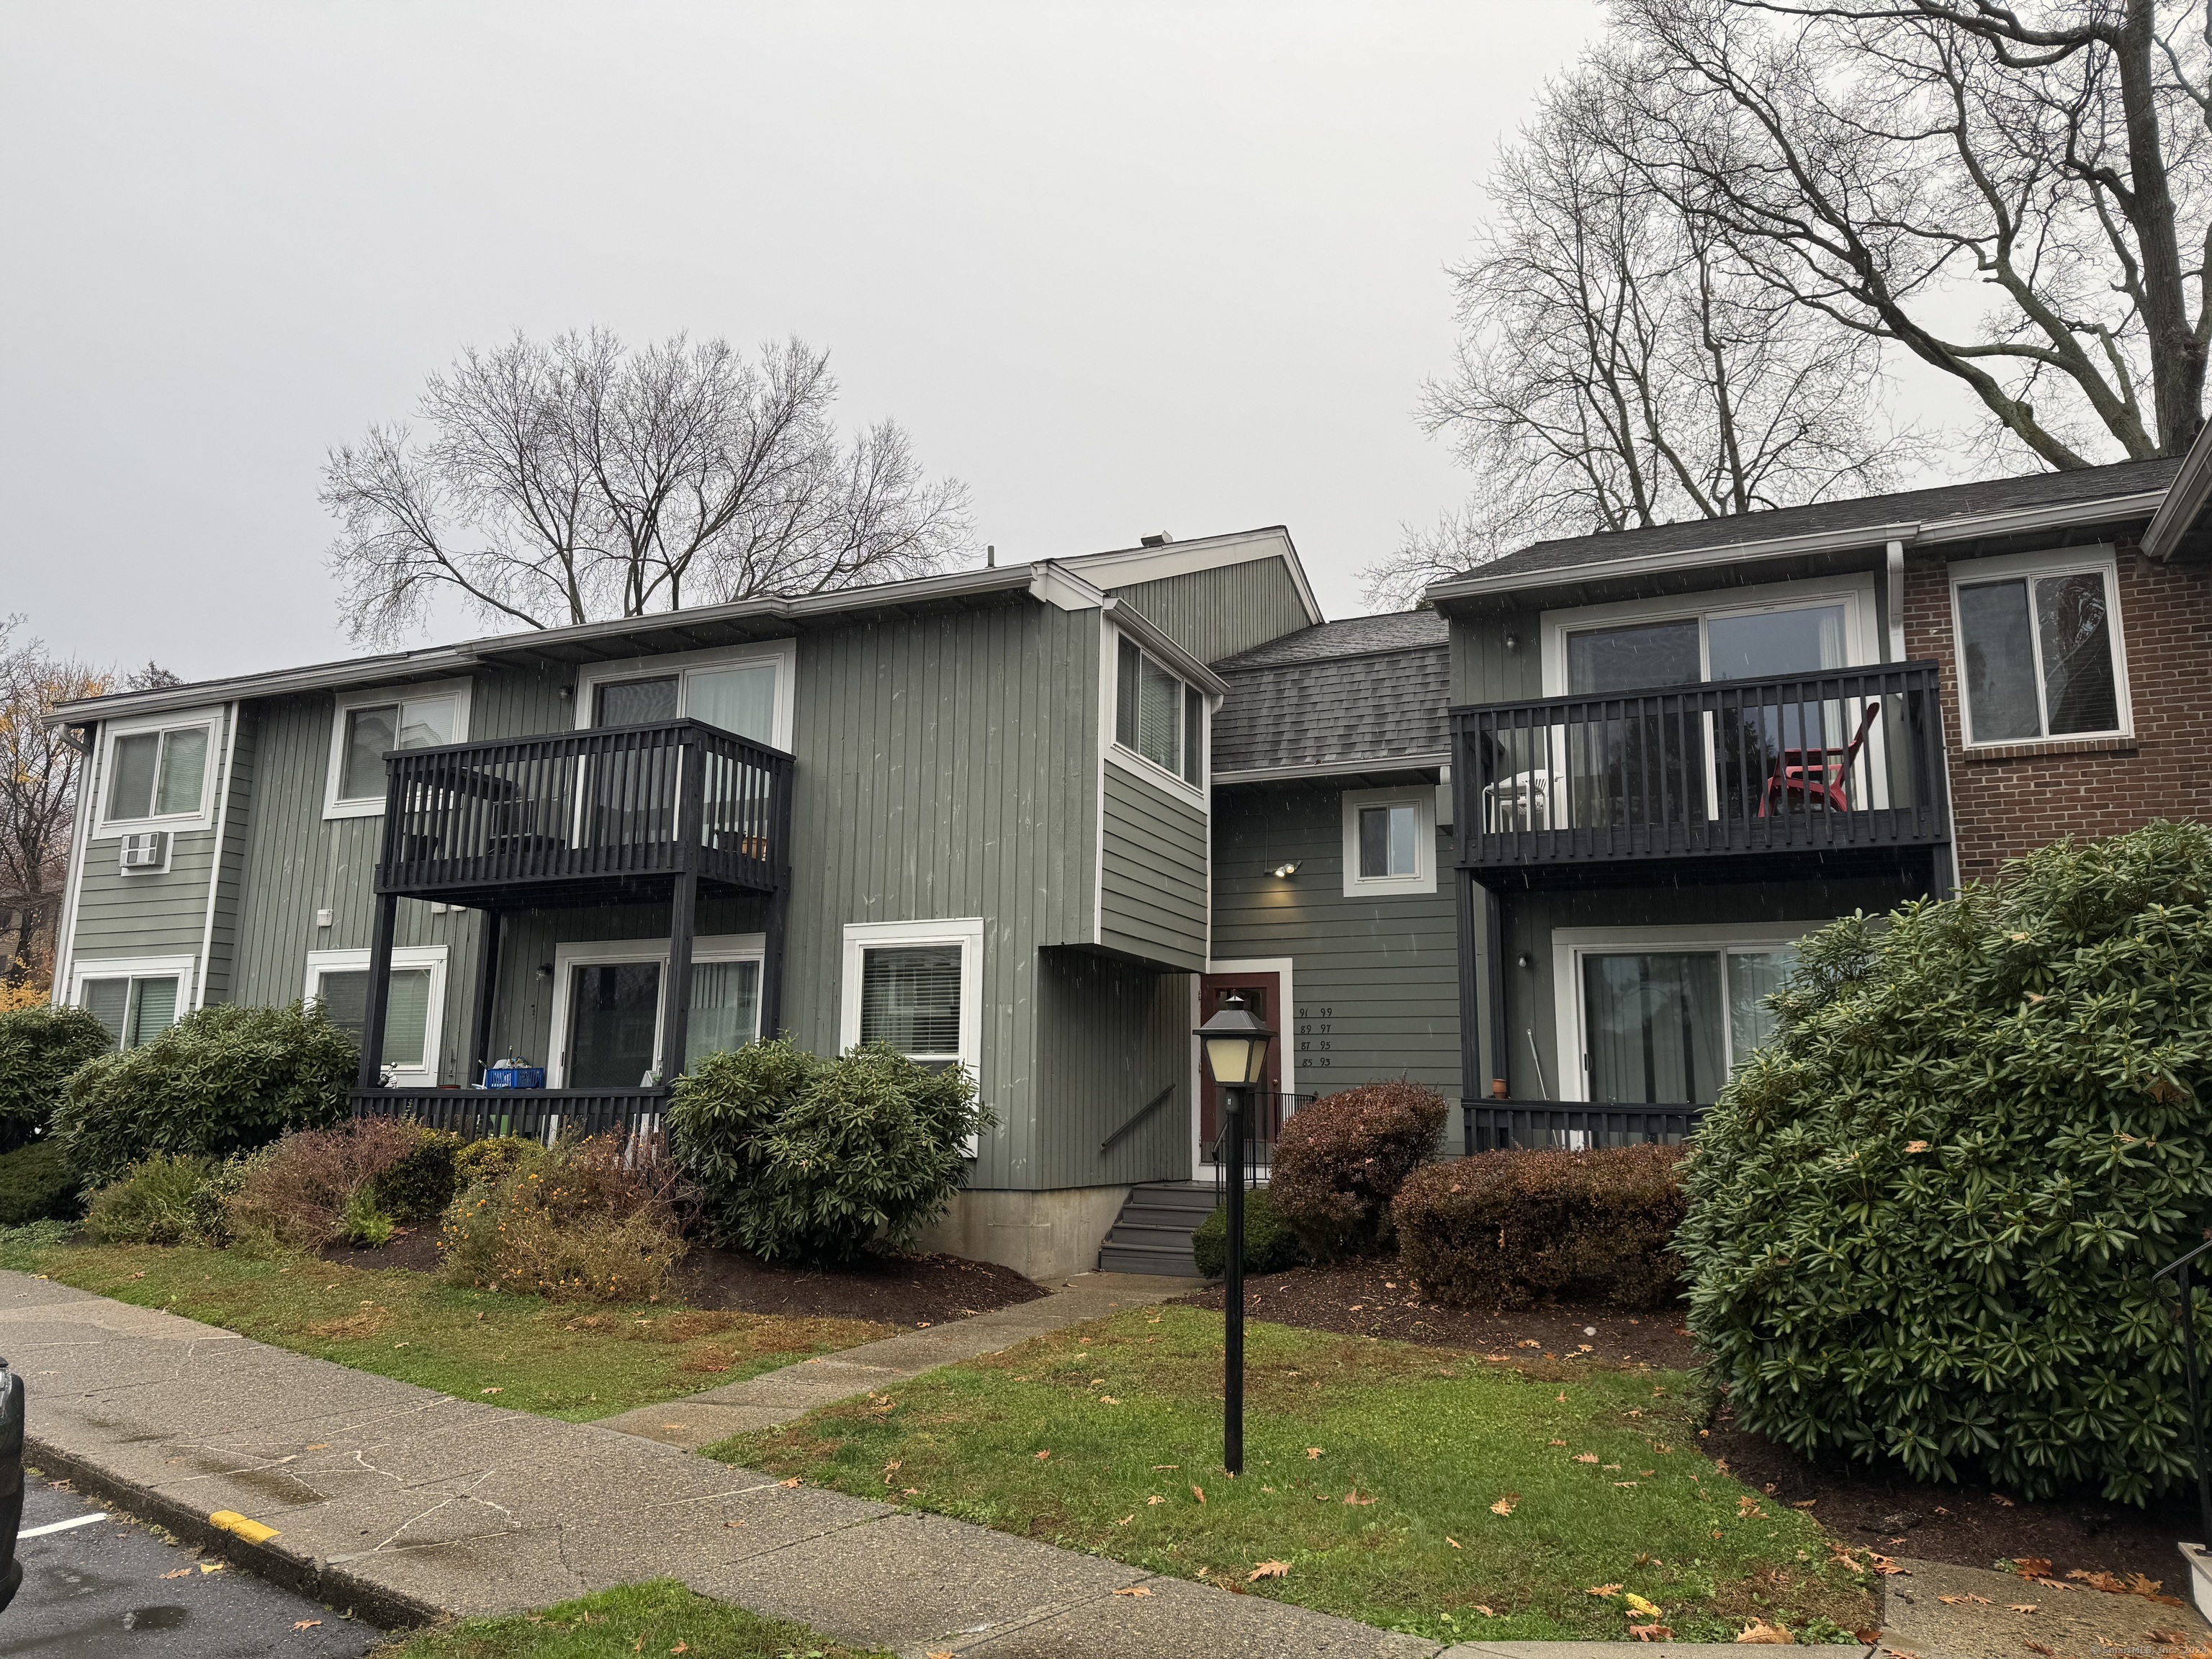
(113,1588)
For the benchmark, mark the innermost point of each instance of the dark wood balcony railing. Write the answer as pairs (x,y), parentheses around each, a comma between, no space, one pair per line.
(535,1114)
(1846,758)
(598,806)
(1493,1125)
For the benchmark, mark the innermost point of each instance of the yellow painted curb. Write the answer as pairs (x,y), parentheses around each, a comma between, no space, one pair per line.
(231,1520)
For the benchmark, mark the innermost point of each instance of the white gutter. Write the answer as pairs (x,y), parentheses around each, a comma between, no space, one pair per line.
(2185,499)
(1859,538)
(236,713)
(1138,627)
(66,927)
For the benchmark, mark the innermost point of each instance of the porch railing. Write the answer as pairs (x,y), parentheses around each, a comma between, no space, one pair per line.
(1500,1125)
(1264,1117)
(535,1114)
(631,800)
(1844,758)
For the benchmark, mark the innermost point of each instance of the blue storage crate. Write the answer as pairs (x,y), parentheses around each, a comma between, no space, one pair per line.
(515,1077)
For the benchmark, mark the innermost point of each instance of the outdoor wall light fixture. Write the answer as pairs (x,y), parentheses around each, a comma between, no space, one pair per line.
(545,971)
(1512,641)
(1286,871)
(1237,1054)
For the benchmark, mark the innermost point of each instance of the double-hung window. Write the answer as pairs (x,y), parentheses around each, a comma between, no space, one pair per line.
(1157,716)
(136,1008)
(157,775)
(917,986)
(371,725)
(413,1006)
(2039,654)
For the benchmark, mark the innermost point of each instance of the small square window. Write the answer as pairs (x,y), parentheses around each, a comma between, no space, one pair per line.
(1386,842)
(1389,841)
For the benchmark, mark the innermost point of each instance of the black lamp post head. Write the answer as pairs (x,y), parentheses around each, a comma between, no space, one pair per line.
(1235,1044)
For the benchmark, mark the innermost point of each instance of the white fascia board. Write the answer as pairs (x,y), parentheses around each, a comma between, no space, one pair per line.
(1340,766)
(1862,537)
(1126,567)
(2186,498)
(1134,622)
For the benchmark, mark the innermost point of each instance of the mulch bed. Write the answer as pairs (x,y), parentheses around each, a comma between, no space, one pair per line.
(914,1291)
(1882,1508)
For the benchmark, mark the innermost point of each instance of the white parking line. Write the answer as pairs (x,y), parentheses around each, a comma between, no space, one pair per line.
(60,1526)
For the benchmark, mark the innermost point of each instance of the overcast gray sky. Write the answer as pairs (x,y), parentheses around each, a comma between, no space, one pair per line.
(1120,267)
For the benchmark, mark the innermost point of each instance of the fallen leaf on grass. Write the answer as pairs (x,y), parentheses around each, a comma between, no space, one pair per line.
(1155,1498)
(1648,1609)
(494,1390)
(681,1647)
(1563,1399)
(1505,1505)
(1585,1457)
(1267,1569)
(1759,1633)
(1453,1541)
(1042,1455)
(1356,1500)
(1107,1400)
(1484,1611)
(1199,1492)
(1603,1589)
(1652,1633)
(1312,1452)
(1157,1468)
(1126,1519)
(1134,1590)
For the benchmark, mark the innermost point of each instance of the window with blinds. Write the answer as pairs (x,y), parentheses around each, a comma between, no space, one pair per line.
(910,998)
(1157,716)
(157,775)
(407,1013)
(135,1011)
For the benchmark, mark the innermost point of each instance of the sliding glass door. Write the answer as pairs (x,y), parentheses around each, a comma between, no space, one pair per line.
(1667,1027)
(613,1018)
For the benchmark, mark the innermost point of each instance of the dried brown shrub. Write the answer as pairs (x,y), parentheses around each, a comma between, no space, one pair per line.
(297,1192)
(591,1220)
(1500,1229)
(1340,1161)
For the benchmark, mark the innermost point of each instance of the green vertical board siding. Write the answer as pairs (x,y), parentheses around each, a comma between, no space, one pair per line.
(1110,1036)
(1374,984)
(1152,882)
(1217,613)
(221,967)
(1484,670)
(1531,1005)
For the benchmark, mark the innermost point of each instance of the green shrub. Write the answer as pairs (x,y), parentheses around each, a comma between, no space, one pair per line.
(1270,1246)
(418,1187)
(160,1200)
(582,1221)
(366,1223)
(1340,1161)
(798,1156)
(225,1080)
(1501,1229)
(1925,1216)
(485,1162)
(37,1184)
(39,1047)
(23,1249)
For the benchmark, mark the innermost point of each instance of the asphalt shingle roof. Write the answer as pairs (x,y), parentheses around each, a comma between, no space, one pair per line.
(1369,689)
(1912,505)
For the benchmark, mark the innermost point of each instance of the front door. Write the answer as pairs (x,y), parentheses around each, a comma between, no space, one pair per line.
(1262,995)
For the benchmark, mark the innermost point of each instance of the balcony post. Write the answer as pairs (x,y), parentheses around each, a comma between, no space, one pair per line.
(480,1054)
(676,993)
(380,990)
(779,910)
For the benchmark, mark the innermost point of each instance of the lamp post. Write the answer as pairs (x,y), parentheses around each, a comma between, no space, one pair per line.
(1236,1053)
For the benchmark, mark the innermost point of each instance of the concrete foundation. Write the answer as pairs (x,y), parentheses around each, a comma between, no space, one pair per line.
(1046,1235)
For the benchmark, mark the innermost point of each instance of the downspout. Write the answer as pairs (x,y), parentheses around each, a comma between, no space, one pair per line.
(1896,569)
(231,714)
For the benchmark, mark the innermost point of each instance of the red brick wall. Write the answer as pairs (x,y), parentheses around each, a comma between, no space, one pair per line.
(2009,801)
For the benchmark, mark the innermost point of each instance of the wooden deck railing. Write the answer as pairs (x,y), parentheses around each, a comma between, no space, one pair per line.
(624,801)
(1493,1126)
(1848,758)
(535,1114)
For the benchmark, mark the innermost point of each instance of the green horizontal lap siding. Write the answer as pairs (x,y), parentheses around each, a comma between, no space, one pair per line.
(145,914)
(1531,1002)
(1152,886)
(1217,613)
(1374,982)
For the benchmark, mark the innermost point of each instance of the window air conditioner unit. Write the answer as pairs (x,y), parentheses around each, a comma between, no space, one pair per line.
(147,850)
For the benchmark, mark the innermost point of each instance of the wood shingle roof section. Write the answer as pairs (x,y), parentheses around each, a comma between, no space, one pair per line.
(1369,693)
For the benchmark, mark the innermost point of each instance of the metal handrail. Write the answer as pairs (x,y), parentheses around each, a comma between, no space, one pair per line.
(1139,1116)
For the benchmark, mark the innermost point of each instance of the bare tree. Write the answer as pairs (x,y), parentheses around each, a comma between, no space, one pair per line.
(1619,366)
(576,480)
(39,772)
(1870,160)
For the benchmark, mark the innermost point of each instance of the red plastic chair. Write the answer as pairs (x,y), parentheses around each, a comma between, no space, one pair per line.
(1817,777)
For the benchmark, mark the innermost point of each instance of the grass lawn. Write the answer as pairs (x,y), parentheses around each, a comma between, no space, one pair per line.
(652,1618)
(1425,1490)
(561,1359)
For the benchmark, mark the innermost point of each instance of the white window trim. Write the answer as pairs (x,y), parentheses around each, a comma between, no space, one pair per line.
(784,654)
(372,806)
(1571,945)
(411,956)
(966,932)
(1129,760)
(107,828)
(184,969)
(2057,562)
(1856,595)
(585,953)
(1422,798)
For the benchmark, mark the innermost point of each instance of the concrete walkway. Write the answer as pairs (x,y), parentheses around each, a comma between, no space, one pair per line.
(404,1504)
(783,1396)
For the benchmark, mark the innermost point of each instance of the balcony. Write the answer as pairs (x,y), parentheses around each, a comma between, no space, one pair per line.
(581,818)
(1840,769)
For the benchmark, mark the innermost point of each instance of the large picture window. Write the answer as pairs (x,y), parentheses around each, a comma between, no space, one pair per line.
(2036,650)
(744,690)
(1157,716)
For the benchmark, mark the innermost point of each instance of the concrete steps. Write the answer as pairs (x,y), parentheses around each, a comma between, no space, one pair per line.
(1152,1234)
